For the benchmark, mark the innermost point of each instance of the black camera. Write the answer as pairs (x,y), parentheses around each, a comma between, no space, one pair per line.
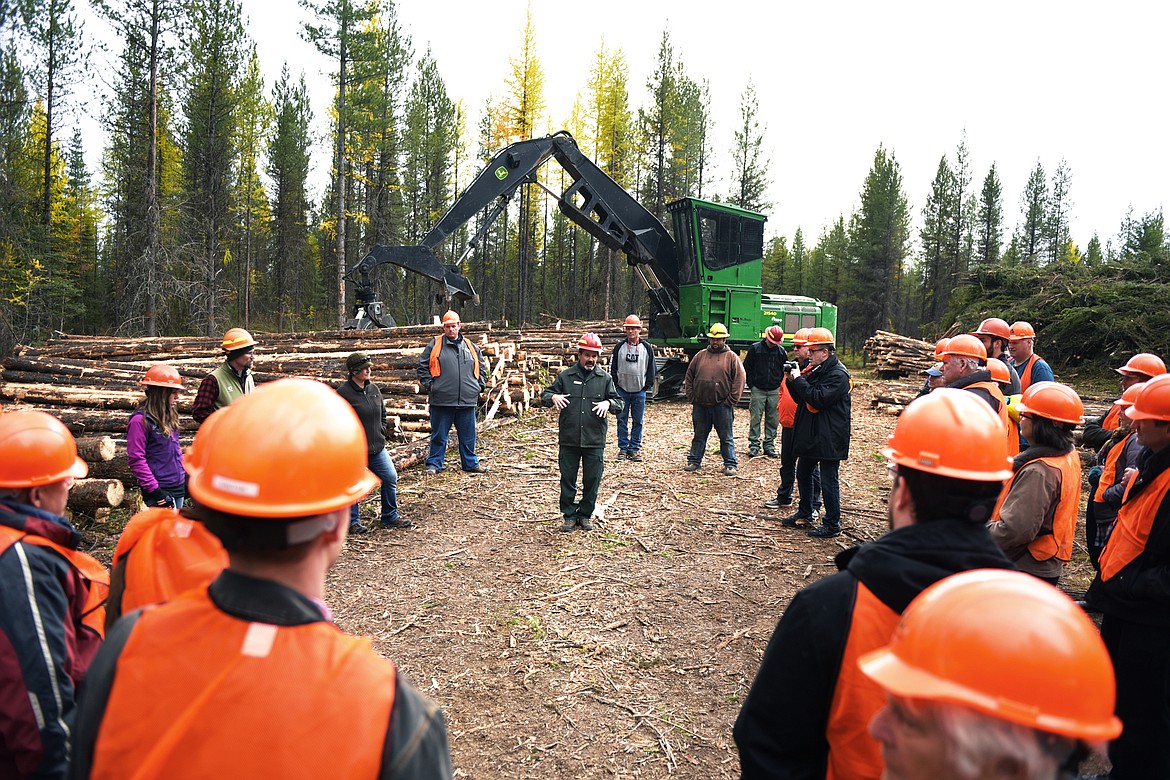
(790,366)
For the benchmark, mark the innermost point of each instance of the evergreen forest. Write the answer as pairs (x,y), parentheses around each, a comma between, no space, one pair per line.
(201,215)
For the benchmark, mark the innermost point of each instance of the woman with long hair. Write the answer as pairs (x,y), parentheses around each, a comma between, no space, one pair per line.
(152,440)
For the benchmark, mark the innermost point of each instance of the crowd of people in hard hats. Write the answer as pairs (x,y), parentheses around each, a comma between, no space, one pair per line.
(940,650)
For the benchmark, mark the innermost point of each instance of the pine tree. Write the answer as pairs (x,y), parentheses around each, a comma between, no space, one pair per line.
(1094,256)
(937,261)
(250,202)
(291,277)
(654,125)
(1034,203)
(750,171)
(989,220)
(1056,229)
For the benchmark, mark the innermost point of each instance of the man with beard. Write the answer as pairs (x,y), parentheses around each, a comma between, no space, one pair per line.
(713,384)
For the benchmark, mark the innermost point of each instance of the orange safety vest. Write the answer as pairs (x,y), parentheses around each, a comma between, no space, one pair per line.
(1058,541)
(199,693)
(1109,468)
(97,579)
(1112,419)
(437,350)
(853,753)
(786,406)
(172,554)
(1132,529)
(1013,433)
(1026,374)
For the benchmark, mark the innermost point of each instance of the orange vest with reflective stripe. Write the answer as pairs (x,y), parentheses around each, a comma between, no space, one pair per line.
(1058,541)
(853,753)
(786,406)
(172,554)
(91,570)
(1109,468)
(437,350)
(198,693)
(1013,433)
(1132,529)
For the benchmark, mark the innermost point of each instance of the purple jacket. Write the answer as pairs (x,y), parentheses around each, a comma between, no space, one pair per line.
(154,459)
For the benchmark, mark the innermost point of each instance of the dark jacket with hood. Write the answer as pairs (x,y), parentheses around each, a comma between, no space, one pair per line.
(824,411)
(784,726)
(982,375)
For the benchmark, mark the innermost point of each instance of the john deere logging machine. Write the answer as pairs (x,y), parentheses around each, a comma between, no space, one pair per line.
(706,270)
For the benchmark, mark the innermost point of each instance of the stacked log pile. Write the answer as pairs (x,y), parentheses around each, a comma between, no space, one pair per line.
(91,383)
(893,356)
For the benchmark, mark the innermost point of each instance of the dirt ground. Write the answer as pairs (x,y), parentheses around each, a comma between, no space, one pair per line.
(625,652)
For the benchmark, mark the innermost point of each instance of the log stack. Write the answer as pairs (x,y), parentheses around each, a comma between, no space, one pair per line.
(893,356)
(91,383)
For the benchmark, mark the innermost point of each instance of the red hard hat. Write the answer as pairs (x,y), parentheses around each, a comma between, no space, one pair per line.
(36,449)
(306,453)
(1007,645)
(999,371)
(590,343)
(964,345)
(162,375)
(800,338)
(774,334)
(994,327)
(1053,401)
(1143,363)
(632,321)
(1021,330)
(940,347)
(951,433)
(237,338)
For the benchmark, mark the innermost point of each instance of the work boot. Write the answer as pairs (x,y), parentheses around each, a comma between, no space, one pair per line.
(622,454)
(753,453)
(777,503)
(586,523)
(691,467)
(793,520)
(772,454)
(399,523)
(569,524)
(825,531)
(635,456)
(478,468)
(432,472)
(356,528)
(729,471)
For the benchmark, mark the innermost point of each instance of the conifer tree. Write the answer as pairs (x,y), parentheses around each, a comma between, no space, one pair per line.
(1034,204)
(989,220)
(1056,220)
(291,277)
(750,168)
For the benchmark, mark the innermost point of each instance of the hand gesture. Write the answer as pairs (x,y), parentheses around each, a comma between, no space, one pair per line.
(560,400)
(600,408)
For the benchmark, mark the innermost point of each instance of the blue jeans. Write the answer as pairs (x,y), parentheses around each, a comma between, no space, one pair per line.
(703,419)
(383,467)
(442,417)
(630,436)
(830,488)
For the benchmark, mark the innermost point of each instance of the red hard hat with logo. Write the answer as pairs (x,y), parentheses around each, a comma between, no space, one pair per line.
(774,334)
(1005,644)
(36,449)
(162,375)
(237,338)
(1021,330)
(951,433)
(1053,401)
(589,343)
(994,327)
(632,321)
(1144,364)
(967,346)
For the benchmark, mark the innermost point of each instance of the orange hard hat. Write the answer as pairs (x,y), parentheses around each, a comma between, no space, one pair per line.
(1007,645)
(1143,363)
(36,449)
(451,316)
(1130,395)
(820,336)
(1054,401)
(994,327)
(306,453)
(237,338)
(800,338)
(1021,330)
(162,375)
(999,371)
(590,343)
(940,347)
(964,345)
(952,433)
(1153,402)
(774,334)
(632,321)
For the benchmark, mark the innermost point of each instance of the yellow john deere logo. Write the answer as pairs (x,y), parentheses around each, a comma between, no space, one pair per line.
(501,173)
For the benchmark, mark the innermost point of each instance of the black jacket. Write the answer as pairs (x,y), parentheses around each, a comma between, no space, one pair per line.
(371,410)
(1140,592)
(822,434)
(982,375)
(764,365)
(781,730)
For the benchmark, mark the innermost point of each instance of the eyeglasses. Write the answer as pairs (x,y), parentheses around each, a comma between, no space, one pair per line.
(819,349)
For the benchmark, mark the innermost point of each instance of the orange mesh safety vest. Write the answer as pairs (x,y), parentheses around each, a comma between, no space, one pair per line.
(437,350)
(853,753)
(786,405)
(1013,433)
(198,693)
(1112,419)
(1059,540)
(172,554)
(91,570)
(1109,468)
(1026,374)
(1132,529)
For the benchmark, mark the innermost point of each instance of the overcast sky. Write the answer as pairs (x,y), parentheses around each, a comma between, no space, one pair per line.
(1025,81)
